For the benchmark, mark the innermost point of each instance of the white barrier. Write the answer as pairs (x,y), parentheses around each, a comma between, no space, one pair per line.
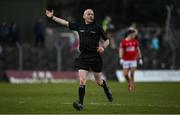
(152,76)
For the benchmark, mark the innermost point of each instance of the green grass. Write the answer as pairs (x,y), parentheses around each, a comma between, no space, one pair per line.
(149,98)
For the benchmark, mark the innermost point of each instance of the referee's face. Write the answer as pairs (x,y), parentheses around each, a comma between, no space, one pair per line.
(88,16)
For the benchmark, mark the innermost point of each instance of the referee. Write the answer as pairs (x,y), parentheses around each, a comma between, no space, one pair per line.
(90,35)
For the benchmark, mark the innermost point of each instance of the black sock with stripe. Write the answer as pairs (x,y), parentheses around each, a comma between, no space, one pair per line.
(81,93)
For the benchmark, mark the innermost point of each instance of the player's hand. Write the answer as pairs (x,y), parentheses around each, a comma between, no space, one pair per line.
(121,61)
(100,49)
(49,14)
(140,61)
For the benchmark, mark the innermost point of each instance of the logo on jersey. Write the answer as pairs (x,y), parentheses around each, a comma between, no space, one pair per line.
(130,48)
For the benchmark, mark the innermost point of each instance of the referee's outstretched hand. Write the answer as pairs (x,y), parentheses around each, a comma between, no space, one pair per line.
(100,49)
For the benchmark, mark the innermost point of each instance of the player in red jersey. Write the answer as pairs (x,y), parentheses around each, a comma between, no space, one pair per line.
(129,53)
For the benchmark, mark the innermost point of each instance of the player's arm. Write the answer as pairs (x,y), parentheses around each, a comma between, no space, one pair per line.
(121,50)
(121,53)
(139,53)
(139,56)
(50,14)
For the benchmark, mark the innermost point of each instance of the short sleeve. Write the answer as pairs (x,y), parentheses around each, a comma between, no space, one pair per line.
(102,34)
(73,26)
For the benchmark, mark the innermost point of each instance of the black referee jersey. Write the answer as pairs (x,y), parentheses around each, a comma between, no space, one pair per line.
(89,35)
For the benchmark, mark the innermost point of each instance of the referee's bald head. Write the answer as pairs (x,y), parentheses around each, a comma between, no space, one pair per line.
(88,16)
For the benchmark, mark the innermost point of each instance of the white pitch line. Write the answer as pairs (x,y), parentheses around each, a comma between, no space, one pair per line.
(117,104)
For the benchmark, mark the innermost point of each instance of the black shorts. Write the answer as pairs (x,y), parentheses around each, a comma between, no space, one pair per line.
(89,61)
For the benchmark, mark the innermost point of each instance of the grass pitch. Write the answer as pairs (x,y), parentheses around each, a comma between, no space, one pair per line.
(159,98)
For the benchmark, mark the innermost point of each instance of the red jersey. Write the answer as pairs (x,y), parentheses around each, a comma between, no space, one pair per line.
(129,47)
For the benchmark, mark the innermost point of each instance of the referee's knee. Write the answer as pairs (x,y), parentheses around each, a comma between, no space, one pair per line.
(82,82)
(99,82)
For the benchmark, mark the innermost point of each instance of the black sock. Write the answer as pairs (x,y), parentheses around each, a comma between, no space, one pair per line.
(81,93)
(105,87)
(107,91)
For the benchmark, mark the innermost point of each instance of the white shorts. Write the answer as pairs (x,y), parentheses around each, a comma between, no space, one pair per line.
(129,64)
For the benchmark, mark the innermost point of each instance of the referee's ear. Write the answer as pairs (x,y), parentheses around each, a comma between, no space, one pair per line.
(83,17)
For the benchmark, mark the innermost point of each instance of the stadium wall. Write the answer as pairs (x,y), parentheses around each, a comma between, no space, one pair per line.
(153,76)
(14,76)
(68,76)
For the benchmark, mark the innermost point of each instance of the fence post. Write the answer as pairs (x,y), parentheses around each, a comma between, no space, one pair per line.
(170,36)
(58,57)
(20,56)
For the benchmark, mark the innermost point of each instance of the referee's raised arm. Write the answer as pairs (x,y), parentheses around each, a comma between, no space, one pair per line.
(50,14)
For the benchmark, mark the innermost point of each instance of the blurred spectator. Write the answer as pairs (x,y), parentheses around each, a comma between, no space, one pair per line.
(75,43)
(155,48)
(39,29)
(13,34)
(111,39)
(4,33)
(1,50)
(108,28)
(155,43)
(106,23)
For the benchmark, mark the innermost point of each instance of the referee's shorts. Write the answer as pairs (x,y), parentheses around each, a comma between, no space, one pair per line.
(89,61)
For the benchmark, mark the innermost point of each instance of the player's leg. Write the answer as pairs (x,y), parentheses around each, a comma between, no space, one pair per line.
(133,66)
(132,71)
(81,91)
(101,82)
(126,70)
(126,75)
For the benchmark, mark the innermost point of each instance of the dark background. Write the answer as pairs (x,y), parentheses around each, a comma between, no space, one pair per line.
(148,15)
